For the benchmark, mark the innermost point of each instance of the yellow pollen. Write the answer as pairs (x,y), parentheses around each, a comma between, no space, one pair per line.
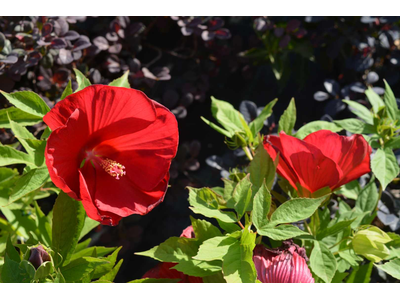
(113,168)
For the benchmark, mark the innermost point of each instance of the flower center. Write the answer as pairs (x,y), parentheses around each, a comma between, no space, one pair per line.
(113,168)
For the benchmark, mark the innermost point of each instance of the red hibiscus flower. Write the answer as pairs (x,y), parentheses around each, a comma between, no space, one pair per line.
(287,264)
(163,270)
(111,148)
(322,159)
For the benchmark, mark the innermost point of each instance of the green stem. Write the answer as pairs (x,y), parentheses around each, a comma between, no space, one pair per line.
(308,228)
(338,243)
(248,153)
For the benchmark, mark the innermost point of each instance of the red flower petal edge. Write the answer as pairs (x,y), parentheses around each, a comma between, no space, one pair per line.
(322,159)
(111,148)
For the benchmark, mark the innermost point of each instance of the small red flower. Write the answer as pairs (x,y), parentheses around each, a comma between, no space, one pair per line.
(322,159)
(287,264)
(111,148)
(163,270)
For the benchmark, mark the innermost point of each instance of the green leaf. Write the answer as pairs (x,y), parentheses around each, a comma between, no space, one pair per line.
(215,248)
(385,167)
(121,81)
(44,270)
(18,116)
(261,207)
(11,251)
(361,111)
(217,128)
(29,182)
(43,225)
(281,232)
(68,220)
(10,156)
(367,199)
(228,227)
(80,268)
(262,167)
(257,124)
(175,249)
(226,115)
(390,101)
(22,223)
(110,276)
(296,210)
(205,202)
(89,225)
(237,264)
(375,100)
(361,274)
(96,251)
(11,272)
(204,230)
(105,268)
(322,262)
(355,126)
(334,229)
(155,280)
(82,80)
(392,268)
(67,91)
(28,102)
(350,190)
(242,196)
(393,143)
(288,118)
(315,126)
(198,268)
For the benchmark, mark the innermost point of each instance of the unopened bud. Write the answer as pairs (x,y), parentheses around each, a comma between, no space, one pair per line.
(38,256)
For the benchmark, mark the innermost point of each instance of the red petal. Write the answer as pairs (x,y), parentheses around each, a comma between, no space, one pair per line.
(352,154)
(103,105)
(163,270)
(146,153)
(313,169)
(62,151)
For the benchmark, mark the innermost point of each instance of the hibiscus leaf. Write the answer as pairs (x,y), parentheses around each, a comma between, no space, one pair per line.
(175,249)
(355,126)
(262,169)
(215,248)
(350,190)
(368,197)
(12,272)
(90,224)
(322,262)
(241,199)
(334,229)
(281,232)
(257,124)
(29,182)
(315,126)
(217,128)
(155,280)
(206,202)
(361,274)
(375,100)
(28,102)
(68,220)
(288,118)
(204,230)
(10,156)
(226,115)
(392,268)
(78,269)
(18,116)
(390,101)
(361,111)
(385,166)
(110,276)
(237,263)
(295,210)
(44,226)
(198,268)
(261,207)
(121,81)
(67,91)
(82,80)
(96,251)
(105,268)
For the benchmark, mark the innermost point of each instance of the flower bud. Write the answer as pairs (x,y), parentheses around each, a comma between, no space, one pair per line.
(370,243)
(38,256)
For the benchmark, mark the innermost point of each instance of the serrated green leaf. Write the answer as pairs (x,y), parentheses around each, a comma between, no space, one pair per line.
(241,198)
(18,116)
(334,229)
(198,268)
(204,230)
(355,126)
(384,166)
(205,202)
(110,276)
(261,207)
(361,111)
(257,124)
(11,272)
(89,225)
(68,220)
(43,225)
(29,182)
(82,80)
(350,190)
(261,168)
(217,128)
(296,210)
(322,262)
(288,118)
(121,81)
(361,274)
(67,91)
(226,115)
(315,126)
(215,248)
(10,156)
(28,102)
(281,232)
(368,197)
(390,101)
(375,100)
(95,251)
(228,227)
(80,268)
(392,268)
(104,269)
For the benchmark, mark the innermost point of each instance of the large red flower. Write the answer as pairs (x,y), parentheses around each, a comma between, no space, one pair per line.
(163,270)
(111,148)
(322,159)
(283,265)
